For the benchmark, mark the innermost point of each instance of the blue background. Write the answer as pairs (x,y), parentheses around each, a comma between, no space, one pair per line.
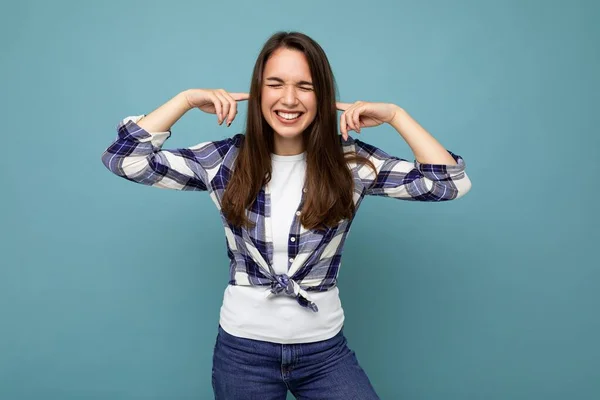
(111,290)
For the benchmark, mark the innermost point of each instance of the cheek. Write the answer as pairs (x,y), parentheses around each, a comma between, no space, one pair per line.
(313,106)
(267,102)
(264,105)
(310,102)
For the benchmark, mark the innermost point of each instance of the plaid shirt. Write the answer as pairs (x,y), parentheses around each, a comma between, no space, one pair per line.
(314,255)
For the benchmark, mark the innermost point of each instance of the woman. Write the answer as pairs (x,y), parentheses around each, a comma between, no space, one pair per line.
(287,190)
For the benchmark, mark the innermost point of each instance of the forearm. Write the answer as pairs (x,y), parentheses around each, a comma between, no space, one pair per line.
(426,148)
(164,117)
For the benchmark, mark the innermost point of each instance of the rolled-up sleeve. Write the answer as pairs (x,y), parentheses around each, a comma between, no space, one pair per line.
(401,179)
(137,155)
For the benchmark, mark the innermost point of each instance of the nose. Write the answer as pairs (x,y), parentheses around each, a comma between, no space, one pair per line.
(289,97)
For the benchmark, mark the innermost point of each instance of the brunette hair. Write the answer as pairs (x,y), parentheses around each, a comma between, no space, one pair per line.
(329,181)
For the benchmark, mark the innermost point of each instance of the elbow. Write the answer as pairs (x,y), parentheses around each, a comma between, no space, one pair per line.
(112,163)
(106,160)
(446,191)
(462,187)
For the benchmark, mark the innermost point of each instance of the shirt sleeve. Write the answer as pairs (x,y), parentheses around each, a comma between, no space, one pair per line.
(401,179)
(137,155)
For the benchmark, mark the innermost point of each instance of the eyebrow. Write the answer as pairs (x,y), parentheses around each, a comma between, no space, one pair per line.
(274,78)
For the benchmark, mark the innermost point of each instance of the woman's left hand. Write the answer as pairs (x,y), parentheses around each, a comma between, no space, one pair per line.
(362,114)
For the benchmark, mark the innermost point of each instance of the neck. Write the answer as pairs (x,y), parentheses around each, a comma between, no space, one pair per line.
(288,147)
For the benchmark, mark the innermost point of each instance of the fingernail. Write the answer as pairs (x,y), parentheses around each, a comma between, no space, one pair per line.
(228,124)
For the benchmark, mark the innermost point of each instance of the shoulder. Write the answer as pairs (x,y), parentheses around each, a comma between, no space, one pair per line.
(353,145)
(232,141)
(237,140)
(212,153)
(349,146)
(223,146)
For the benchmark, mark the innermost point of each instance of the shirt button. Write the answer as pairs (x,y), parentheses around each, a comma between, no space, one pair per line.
(291,260)
(298,213)
(293,239)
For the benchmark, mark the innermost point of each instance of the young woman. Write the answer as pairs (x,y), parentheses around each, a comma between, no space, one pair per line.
(287,191)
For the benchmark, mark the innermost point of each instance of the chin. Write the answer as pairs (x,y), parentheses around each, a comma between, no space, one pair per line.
(289,136)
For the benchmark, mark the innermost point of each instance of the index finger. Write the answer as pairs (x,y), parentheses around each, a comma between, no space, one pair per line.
(240,96)
(342,106)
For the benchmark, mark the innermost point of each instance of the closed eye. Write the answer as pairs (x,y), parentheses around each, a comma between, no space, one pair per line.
(308,89)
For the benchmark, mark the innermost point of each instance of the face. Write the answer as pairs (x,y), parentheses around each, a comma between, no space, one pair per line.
(289,103)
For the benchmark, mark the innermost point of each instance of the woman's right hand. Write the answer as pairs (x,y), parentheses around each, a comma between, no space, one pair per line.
(215,101)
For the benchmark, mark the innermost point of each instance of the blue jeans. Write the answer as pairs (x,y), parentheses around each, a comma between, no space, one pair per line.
(255,369)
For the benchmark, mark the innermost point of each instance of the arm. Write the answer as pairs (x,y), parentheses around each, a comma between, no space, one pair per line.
(436,175)
(164,117)
(400,179)
(136,153)
(426,148)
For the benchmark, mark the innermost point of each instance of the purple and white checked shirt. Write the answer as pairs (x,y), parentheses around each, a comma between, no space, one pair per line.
(314,255)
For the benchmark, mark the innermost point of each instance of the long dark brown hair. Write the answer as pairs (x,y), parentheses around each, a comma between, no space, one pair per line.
(328,181)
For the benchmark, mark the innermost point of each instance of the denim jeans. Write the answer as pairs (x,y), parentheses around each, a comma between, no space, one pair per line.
(245,369)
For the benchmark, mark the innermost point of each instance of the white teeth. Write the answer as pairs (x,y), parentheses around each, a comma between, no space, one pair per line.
(288,116)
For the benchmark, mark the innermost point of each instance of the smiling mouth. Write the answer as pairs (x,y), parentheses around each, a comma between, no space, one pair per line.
(288,117)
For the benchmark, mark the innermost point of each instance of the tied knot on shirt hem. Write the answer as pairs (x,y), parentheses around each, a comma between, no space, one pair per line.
(289,287)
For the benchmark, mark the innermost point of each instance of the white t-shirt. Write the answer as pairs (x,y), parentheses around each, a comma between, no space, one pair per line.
(246,312)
